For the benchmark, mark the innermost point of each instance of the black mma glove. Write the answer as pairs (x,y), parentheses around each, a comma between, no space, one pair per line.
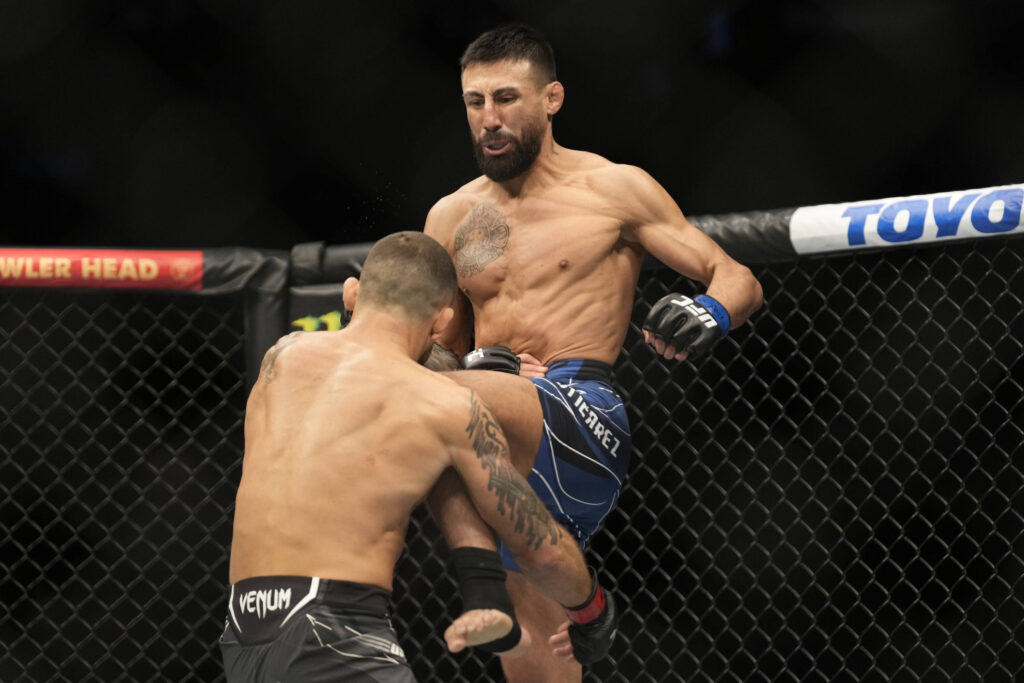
(692,325)
(594,625)
(497,358)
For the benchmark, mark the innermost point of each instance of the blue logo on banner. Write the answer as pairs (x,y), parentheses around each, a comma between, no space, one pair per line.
(947,216)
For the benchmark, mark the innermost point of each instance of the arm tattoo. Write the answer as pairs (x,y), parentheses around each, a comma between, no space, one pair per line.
(441,359)
(516,500)
(267,366)
(480,240)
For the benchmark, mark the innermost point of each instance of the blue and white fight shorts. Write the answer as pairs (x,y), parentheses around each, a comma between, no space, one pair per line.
(584,450)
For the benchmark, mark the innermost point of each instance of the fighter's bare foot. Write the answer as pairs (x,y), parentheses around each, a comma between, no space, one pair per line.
(482,626)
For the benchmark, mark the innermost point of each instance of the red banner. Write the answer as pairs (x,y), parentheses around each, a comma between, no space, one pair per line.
(101,268)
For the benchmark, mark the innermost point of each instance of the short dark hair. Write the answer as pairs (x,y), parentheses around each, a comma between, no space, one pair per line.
(514,42)
(409,272)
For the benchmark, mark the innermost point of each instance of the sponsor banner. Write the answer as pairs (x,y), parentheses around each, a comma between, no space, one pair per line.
(101,268)
(967,214)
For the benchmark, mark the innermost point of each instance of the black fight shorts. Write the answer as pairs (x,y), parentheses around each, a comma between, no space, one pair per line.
(293,628)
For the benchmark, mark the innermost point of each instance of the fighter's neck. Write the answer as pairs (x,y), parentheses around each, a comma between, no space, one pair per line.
(385,333)
(552,163)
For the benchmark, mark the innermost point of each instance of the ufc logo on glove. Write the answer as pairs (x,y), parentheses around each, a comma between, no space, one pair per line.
(693,325)
(700,312)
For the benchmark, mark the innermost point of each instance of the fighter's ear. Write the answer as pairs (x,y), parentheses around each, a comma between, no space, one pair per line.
(554,96)
(441,322)
(350,293)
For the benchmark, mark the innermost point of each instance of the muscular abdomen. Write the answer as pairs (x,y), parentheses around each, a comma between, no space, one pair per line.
(566,303)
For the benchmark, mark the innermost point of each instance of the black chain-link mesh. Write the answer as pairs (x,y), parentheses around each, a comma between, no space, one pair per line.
(838,493)
(121,436)
(834,495)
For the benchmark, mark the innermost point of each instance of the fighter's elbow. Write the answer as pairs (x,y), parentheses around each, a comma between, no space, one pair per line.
(756,292)
(744,292)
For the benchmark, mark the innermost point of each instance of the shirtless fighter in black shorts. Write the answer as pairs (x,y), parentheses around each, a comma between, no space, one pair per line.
(345,432)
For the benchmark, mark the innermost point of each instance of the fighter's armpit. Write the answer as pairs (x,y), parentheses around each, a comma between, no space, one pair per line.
(516,500)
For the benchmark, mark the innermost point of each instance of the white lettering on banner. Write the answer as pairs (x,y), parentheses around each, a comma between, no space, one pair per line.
(590,419)
(91,268)
(44,268)
(260,602)
(901,220)
(108,268)
(11,267)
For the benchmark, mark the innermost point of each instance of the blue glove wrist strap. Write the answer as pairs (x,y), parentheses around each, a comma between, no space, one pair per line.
(717,311)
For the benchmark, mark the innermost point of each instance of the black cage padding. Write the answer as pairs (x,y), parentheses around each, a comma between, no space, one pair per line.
(261,276)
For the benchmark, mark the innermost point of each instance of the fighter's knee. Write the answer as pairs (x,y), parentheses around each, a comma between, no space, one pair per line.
(547,559)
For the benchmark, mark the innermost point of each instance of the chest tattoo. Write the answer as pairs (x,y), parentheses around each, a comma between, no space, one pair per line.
(480,239)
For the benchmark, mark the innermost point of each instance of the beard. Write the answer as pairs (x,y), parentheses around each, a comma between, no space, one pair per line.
(516,161)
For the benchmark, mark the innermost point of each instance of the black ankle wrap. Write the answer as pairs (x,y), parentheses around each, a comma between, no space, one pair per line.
(482,584)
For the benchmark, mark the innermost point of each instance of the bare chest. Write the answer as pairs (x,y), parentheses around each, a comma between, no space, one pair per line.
(497,250)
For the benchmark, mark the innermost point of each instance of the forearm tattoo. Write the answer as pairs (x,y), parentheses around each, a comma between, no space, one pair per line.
(441,359)
(480,239)
(516,500)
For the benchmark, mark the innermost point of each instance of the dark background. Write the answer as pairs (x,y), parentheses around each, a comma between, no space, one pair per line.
(204,123)
(834,495)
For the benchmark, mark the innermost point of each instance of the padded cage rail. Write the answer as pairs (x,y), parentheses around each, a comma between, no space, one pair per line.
(835,494)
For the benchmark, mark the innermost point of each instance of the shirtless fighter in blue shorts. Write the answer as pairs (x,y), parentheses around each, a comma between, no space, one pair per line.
(548,244)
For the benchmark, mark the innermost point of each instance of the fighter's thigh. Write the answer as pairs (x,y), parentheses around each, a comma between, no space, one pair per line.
(347,651)
(542,617)
(515,404)
(240,663)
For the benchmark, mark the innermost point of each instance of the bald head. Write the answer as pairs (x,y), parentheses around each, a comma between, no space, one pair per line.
(410,274)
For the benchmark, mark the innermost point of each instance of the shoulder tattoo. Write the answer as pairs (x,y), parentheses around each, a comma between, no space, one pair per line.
(516,500)
(267,366)
(480,239)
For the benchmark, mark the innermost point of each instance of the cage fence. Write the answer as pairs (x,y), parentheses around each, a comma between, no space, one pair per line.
(834,494)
